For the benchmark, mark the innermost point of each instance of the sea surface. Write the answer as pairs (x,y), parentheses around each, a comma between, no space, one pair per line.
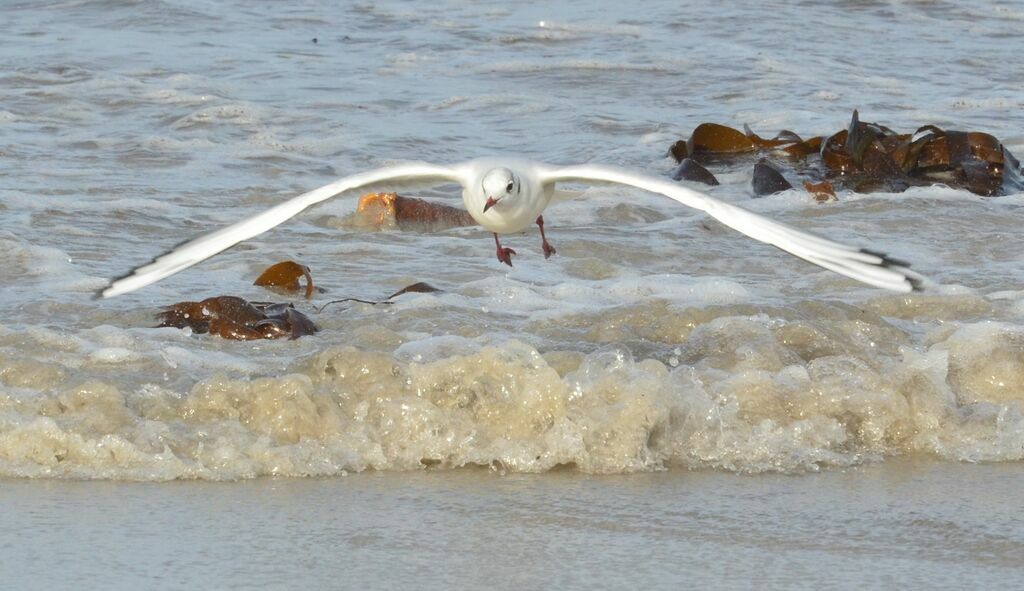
(663,403)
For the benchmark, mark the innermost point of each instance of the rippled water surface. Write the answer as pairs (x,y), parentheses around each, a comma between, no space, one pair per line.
(896,524)
(652,341)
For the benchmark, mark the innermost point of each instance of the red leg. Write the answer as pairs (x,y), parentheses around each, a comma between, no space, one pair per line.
(504,254)
(548,249)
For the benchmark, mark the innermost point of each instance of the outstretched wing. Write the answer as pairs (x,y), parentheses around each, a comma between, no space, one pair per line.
(204,247)
(864,265)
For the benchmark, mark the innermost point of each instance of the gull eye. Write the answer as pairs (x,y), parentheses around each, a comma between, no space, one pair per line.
(511,184)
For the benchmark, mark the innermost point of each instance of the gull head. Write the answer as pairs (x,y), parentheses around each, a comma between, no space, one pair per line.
(499,184)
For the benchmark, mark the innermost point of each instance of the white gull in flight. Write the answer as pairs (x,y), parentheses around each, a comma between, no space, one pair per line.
(505,195)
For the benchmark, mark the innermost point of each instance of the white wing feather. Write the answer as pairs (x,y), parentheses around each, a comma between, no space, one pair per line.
(204,247)
(863,265)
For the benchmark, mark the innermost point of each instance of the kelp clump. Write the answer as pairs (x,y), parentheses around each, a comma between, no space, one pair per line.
(863,157)
(234,318)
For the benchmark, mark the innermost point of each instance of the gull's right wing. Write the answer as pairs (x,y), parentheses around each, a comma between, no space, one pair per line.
(204,247)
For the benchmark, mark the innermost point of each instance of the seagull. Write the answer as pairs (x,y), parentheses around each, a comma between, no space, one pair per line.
(506,195)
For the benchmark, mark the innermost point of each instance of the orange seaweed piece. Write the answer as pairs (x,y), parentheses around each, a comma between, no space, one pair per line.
(712,138)
(821,192)
(378,208)
(285,275)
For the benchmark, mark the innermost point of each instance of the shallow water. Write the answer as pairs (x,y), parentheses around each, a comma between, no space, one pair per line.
(652,341)
(894,524)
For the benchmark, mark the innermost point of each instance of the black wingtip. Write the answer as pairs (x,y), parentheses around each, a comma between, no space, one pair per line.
(916,283)
(887,261)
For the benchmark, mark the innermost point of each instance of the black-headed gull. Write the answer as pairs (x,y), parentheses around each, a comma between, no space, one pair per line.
(506,196)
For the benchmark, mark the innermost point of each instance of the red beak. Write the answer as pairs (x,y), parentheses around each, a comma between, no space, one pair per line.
(491,201)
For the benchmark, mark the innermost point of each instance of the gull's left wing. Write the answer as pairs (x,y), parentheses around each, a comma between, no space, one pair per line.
(204,247)
(864,265)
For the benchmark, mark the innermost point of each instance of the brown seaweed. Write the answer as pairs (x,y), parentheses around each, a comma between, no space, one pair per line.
(976,160)
(834,154)
(803,148)
(679,151)
(864,152)
(234,318)
(408,213)
(419,287)
(866,156)
(784,137)
(711,141)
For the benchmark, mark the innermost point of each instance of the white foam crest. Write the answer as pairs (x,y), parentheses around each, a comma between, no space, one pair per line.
(596,65)
(237,114)
(750,394)
(599,29)
(488,104)
(508,296)
(31,267)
